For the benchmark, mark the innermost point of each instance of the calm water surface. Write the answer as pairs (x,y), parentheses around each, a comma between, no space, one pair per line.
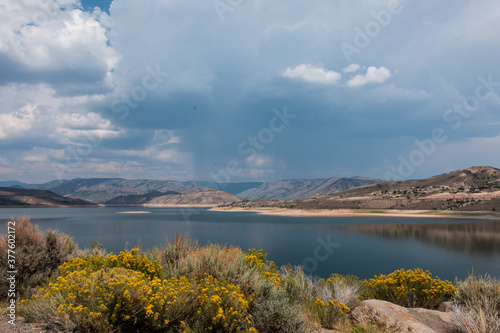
(363,246)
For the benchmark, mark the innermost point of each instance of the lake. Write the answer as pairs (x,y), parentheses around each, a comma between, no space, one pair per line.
(363,246)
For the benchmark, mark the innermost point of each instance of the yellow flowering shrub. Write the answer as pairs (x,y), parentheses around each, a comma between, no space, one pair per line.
(126,259)
(115,299)
(221,307)
(410,288)
(328,312)
(205,305)
(98,301)
(257,258)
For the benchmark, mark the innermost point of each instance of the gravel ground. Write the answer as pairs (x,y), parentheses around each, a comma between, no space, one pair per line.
(23,327)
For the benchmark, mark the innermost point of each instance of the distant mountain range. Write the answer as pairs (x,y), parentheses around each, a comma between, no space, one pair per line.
(118,191)
(14,197)
(473,189)
(303,188)
(101,190)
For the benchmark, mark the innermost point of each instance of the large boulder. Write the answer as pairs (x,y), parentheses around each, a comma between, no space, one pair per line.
(402,319)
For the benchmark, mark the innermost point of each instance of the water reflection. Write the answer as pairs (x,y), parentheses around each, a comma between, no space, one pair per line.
(480,238)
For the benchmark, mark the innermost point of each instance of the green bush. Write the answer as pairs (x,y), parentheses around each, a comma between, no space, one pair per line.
(273,311)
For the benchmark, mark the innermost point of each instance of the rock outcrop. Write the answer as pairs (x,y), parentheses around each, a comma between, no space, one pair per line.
(403,319)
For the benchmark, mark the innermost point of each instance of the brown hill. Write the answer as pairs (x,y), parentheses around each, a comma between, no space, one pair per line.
(135,200)
(15,197)
(473,189)
(205,198)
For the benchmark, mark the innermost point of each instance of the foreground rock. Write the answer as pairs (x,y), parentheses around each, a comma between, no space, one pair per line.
(403,319)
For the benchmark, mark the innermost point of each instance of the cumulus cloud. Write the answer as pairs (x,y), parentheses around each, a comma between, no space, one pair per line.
(373,75)
(55,42)
(65,71)
(35,111)
(11,124)
(311,73)
(351,68)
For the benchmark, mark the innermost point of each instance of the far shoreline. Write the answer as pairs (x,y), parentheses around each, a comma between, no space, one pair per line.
(482,215)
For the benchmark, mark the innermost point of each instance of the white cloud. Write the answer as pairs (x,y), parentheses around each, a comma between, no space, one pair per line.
(390,92)
(165,137)
(373,75)
(351,68)
(157,154)
(55,42)
(312,74)
(259,160)
(17,121)
(55,63)
(35,111)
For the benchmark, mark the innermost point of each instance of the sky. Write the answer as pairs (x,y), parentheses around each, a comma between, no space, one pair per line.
(232,90)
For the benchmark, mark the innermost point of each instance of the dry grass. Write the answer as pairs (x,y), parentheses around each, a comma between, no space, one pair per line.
(37,254)
(346,289)
(224,264)
(184,257)
(478,304)
(176,249)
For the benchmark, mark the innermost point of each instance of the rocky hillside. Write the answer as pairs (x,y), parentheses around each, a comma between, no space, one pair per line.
(206,198)
(472,189)
(139,199)
(14,197)
(234,188)
(101,190)
(303,188)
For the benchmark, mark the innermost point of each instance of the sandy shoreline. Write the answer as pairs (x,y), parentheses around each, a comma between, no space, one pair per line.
(361,213)
(134,212)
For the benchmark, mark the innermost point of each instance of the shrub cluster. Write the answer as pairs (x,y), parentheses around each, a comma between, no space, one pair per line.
(37,255)
(125,292)
(128,259)
(183,287)
(257,259)
(317,297)
(410,288)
